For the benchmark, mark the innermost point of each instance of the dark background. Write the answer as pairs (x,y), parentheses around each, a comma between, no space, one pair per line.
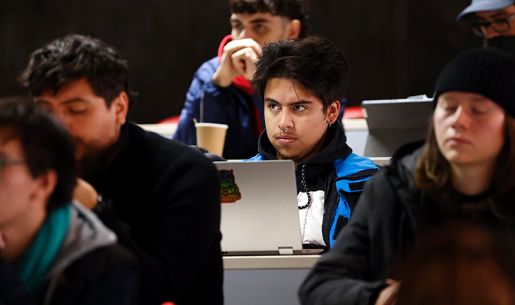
(396,47)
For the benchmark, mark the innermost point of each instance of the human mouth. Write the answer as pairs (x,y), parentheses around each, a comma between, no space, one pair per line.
(457,141)
(285,139)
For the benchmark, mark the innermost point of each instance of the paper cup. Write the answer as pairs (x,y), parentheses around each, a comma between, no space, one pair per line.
(211,136)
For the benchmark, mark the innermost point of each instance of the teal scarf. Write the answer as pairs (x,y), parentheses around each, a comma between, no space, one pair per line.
(39,257)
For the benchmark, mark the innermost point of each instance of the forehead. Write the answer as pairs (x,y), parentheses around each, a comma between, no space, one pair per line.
(462,96)
(256,17)
(285,90)
(73,90)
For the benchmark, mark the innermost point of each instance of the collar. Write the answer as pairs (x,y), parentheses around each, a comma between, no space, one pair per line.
(334,147)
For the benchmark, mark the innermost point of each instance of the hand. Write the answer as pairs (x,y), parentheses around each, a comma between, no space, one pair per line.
(388,296)
(238,58)
(85,193)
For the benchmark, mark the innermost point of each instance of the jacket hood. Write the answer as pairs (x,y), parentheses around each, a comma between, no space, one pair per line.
(404,161)
(85,234)
(334,147)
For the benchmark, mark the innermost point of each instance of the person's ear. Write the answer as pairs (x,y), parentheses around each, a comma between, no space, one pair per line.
(120,107)
(294,28)
(45,185)
(332,112)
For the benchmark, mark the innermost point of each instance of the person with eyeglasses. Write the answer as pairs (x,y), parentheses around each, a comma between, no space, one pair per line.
(52,250)
(494,20)
(221,90)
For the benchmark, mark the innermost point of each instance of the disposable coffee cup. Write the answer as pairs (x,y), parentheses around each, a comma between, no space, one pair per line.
(211,136)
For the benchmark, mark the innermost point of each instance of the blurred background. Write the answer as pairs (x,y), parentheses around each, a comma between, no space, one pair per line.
(396,48)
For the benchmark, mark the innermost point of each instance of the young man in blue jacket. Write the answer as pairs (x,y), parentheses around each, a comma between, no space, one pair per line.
(302,83)
(221,91)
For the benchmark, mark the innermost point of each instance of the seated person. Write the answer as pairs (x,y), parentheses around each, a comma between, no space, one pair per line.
(494,20)
(221,91)
(465,171)
(161,197)
(52,251)
(301,83)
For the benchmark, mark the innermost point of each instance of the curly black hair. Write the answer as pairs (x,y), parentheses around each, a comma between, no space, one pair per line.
(74,57)
(292,9)
(314,62)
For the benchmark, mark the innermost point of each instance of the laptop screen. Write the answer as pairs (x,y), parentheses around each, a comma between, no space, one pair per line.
(259,206)
(393,123)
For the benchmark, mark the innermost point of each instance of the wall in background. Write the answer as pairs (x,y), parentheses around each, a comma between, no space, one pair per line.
(396,47)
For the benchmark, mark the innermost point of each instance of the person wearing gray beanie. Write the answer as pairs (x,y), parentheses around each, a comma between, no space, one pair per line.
(465,171)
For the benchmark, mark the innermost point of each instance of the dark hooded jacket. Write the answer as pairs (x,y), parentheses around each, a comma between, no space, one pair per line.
(389,216)
(336,171)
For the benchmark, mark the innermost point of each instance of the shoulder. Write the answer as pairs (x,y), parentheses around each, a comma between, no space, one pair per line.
(153,152)
(258,157)
(352,164)
(206,70)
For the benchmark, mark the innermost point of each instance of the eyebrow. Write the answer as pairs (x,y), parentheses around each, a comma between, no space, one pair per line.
(301,102)
(253,21)
(68,101)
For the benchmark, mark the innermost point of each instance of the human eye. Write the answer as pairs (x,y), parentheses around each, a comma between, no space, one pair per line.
(77,108)
(272,106)
(260,28)
(299,108)
(480,110)
(236,26)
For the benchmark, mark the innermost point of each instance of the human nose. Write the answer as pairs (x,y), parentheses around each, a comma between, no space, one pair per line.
(285,121)
(461,118)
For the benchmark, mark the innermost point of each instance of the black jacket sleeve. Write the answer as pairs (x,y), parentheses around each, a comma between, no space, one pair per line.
(353,271)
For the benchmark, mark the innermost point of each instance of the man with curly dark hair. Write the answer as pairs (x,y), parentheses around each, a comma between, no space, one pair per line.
(160,197)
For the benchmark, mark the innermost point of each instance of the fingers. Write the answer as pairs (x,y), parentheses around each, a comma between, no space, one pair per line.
(238,58)
(236,45)
(85,194)
(244,62)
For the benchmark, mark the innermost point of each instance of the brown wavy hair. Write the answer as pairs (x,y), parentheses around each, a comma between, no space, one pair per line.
(433,171)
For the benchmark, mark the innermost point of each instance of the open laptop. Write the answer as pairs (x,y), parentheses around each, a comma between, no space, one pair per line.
(259,207)
(393,123)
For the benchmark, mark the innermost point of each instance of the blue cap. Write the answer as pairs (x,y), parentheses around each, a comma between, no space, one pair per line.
(484,5)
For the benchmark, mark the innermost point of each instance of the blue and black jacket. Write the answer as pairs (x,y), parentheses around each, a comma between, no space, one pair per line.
(337,171)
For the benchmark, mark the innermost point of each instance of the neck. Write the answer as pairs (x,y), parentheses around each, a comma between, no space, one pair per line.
(19,234)
(472,179)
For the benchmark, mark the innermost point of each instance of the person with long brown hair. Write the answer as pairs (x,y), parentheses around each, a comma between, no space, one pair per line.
(465,171)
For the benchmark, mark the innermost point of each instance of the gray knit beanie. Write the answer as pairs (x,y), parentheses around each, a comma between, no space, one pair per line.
(485,71)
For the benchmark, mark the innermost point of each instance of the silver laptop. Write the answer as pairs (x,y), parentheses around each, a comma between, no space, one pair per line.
(259,207)
(393,123)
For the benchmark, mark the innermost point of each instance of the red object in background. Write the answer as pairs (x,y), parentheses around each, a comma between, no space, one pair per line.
(170,120)
(168,303)
(354,112)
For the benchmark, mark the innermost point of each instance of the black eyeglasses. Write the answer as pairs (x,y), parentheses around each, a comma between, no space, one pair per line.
(5,161)
(501,25)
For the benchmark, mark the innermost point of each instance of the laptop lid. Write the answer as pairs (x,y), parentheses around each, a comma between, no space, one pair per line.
(259,207)
(393,123)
